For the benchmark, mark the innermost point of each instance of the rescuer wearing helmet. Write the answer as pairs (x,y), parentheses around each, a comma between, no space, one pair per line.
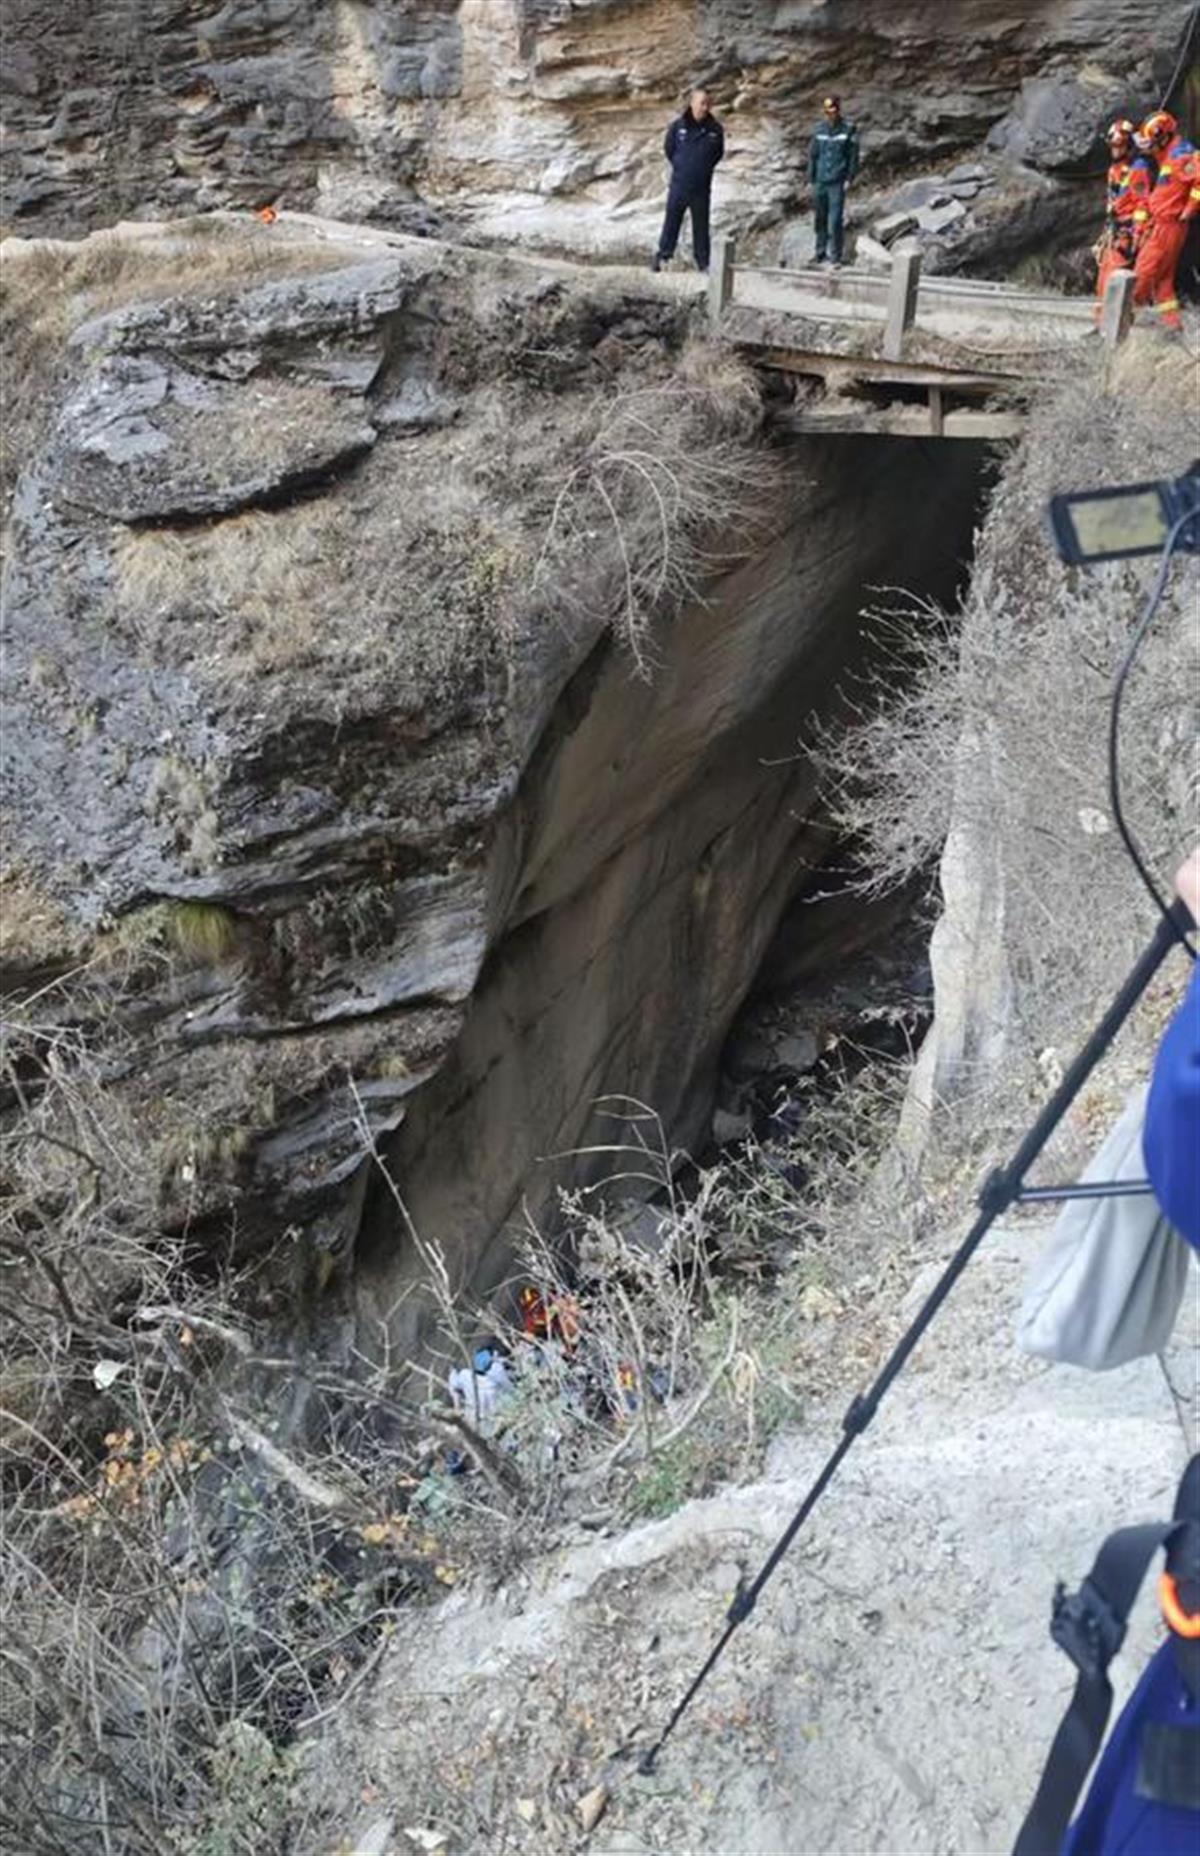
(1161,224)
(1121,151)
(1131,177)
(832,165)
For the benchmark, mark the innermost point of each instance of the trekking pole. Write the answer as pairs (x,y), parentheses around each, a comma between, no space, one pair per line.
(1001,1189)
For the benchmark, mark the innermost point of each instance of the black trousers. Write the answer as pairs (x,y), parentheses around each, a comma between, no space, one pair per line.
(679,203)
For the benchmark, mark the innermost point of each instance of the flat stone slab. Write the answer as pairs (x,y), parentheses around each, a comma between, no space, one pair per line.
(938,219)
(871,252)
(894,225)
(148,440)
(925,190)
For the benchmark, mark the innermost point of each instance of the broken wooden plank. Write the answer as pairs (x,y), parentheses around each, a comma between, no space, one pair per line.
(839,369)
(856,417)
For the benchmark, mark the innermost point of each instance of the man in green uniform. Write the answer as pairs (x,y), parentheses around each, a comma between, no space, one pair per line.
(832,165)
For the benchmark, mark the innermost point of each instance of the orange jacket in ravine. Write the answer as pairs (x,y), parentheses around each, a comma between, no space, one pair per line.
(1175,195)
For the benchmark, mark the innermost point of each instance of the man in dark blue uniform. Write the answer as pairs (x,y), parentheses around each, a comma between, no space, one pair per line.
(832,165)
(694,144)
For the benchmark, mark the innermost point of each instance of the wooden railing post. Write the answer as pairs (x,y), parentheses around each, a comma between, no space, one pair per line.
(1116,314)
(902,301)
(720,274)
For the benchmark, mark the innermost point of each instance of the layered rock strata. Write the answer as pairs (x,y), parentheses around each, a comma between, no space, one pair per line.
(542,120)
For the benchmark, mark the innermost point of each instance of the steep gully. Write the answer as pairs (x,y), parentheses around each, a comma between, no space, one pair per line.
(659,853)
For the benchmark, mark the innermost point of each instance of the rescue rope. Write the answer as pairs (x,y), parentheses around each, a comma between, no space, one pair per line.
(1177,73)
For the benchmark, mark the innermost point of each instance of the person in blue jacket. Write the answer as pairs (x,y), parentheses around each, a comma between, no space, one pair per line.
(1121,1815)
(1171,1138)
(1136,1806)
(832,165)
(694,144)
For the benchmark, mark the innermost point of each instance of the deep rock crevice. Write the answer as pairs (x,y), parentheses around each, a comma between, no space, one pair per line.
(663,835)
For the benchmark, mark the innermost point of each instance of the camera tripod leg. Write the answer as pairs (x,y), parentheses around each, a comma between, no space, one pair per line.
(1085,1189)
(1001,1190)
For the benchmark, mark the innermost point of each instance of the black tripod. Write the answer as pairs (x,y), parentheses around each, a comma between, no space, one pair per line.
(1004,1188)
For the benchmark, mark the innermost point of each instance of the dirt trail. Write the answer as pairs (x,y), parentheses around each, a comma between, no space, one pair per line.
(896,1689)
(992,315)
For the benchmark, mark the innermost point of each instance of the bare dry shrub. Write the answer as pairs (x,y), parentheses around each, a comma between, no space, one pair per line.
(636,1386)
(890,772)
(997,718)
(817,1191)
(187,1573)
(34,927)
(582,1402)
(705,1318)
(613,510)
(673,486)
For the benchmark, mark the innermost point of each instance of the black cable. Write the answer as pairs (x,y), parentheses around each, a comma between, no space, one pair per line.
(1177,73)
(1114,721)
(1085,1189)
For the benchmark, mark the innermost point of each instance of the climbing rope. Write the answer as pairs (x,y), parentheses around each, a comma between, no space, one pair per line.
(1181,61)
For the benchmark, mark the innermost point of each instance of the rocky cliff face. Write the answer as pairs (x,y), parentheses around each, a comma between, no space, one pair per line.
(539,120)
(270,690)
(338,812)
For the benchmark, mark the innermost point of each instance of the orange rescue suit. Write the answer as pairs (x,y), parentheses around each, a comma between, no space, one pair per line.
(1130,184)
(1162,227)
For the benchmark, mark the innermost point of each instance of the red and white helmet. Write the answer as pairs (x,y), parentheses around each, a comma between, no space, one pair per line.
(1120,132)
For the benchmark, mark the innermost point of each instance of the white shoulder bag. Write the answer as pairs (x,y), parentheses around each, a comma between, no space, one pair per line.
(1106,1287)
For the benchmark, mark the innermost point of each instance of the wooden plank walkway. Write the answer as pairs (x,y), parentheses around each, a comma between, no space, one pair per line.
(927,357)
